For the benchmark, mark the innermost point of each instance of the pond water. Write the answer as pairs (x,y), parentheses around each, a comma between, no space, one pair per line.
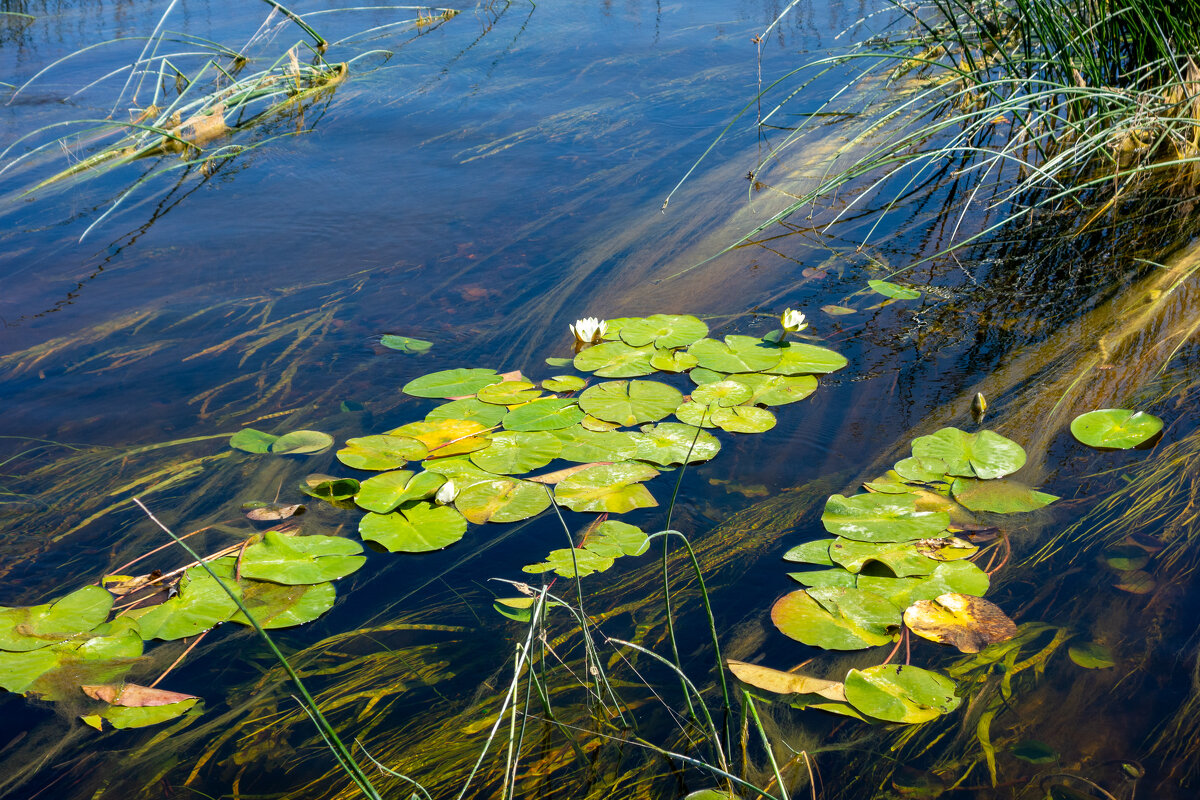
(479,181)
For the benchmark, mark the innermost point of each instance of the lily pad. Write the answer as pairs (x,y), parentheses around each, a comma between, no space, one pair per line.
(55,672)
(592,424)
(381,452)
(418,528)
(516,452)
(124,718)
(584,446)
(825,578)
(928,470)
(798,358)
(697,415)
(471,409)
(275,605)
(502,500)
(250,440)
(899,693)
(404,344)
(902,558)
(673,443)
(836,618)
(329,488)
(451,383)
(837,311)
(663,330)
(1117,428)
(701,376)
(963,621)
(672,360)
(736,354)
(616,360)
(985,454)
(1090,655)
(814,552)
(743,419)
(779,682)
(547,414)
(722,393)
(200,604)
(564,383)
(390,490)
(508,393)
(1004,496)
(615,488)
(630,402)
(445,437)
(615,538)
(301,559)
(893,290)
(35,627)
(301,443)
(881,518)
(775,390)
(571,563)
(962,577)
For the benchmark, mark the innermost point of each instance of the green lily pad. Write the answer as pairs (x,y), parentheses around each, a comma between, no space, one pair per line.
(1117,428)
(547,414)
(825,578)
(894,290)
(592,424)
(390,490)
(806,359)
(516,452)
(701,376)
(501,500)
(836,618)
(275,605)
(381,452)
(418,528)
(615,360)
(471,409)
(615,488)
(961,577)
(985,454)
(722,393)
(445,437)
(404,344)
(902,558)
(508,393)
(124,718)
(881,518)
(630,402)
(615,538)
(814,552)
(672,360)
(250,440)
(559,362)
(584,446)
(569,563)
(301,559)
(1004,496)
(35,627)
(736,354)
(698,415)
(743,419)
(564,383)
(837,311)
(1090,655)
(673,443)
(899,693)
(330,489)
(925,471)
(301,443)
(54,673)
(663,330)
(451,383)
(775,390)
(200,604)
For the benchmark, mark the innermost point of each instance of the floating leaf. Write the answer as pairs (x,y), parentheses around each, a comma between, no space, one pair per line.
(55,672)
(1091,655)
(275,605)
(630,402)
(515,452)
(131,695)
(559,362)
(1117,428)
(508,393)
(736,354)
(775,390)
(404,344)
(806,359)
(329,488)
(584,446)
(123,718)
(200,604)
(1004,496)
(616,360)
(963,621)
(502,500)
(451,383)
(825,578)
(710,794)
(899,693)
(571,563)
(564,383)
(701,376)
(743,419)
(663,330)
(814,552)
(836,618)
(929,470)
(381,452)
(614,488)
(34,627)
(902,558)
(471,409)
(301,443)
(547,414)
(390,490)
(672,360)
(961,577)
(985,454)
(881,518)
(615,538)
(893,290)
(552,478)
(837,311)
(592,424)
(419,528)
(301,559)
(697,415)
(722,393)
(779,682)
(445,437)
(252,441)
(260,511)
(673,443)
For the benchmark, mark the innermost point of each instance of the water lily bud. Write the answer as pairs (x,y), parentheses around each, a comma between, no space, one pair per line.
(445,495)
(792,320)
(589,329)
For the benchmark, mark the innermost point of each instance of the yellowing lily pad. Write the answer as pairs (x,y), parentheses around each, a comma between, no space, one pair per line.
(881,518)
(381,452)
(779,682)
(900,693)
(1117,428)
(445,437)
(615,488)
(963,621)
(630,402)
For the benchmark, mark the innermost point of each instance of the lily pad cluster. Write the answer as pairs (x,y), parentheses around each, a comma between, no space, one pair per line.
(901,557)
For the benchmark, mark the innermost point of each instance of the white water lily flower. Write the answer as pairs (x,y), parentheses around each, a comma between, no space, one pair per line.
(589,329)
(792,320)
(445,495)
